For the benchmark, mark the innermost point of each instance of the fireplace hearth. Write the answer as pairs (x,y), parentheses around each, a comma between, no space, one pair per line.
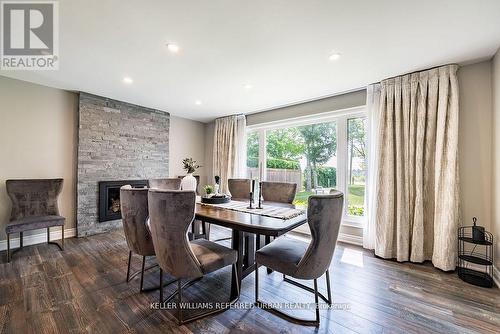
(109,197)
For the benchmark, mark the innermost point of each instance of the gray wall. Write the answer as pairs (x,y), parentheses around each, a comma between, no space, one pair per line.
(116,141)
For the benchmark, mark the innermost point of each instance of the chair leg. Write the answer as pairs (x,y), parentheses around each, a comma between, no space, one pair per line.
(179,302)
(161,285)
(316,299)
(142,272)
(269,308)
(20,239)
(328,288)
(8,247)
(128,265)
(48,235)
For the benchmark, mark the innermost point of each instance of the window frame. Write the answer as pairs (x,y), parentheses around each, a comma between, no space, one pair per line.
(341,118)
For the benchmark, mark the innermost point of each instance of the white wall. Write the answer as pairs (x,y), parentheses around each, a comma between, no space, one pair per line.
(187,140)
(37,140)
(495,153)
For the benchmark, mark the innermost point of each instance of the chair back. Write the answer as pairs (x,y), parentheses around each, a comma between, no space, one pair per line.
(34,197)
(239,188)
(324,215)
(171,212)
(135,214)
(166,184)
(280,192)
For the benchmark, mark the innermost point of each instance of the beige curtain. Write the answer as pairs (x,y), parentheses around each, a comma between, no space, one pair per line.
(229,149)
(418,189)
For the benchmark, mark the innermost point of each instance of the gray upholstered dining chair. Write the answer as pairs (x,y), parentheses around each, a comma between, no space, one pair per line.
(279,193)
(173,183)
(34,206)
(301,260)
(135,214)
(171,212)
(239,189)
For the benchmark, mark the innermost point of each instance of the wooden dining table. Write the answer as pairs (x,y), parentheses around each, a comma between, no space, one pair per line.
(245,227)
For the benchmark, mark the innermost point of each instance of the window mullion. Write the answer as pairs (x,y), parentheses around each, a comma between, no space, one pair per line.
(342,158)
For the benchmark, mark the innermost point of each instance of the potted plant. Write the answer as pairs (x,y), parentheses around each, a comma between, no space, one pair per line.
(189,181)
(209,190)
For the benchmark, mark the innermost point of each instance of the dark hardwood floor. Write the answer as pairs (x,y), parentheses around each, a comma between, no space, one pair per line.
(83,290)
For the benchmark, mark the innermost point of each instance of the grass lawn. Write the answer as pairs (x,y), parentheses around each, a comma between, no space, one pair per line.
(355,195)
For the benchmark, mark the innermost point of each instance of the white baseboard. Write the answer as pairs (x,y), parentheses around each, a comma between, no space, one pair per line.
(350,239)
(38,238)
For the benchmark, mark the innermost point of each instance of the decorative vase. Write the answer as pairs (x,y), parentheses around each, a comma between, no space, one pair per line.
(188,182)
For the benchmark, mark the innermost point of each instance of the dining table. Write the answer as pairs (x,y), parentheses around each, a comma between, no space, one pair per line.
(246,231)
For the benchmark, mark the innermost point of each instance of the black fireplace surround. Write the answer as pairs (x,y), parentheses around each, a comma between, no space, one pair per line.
(109,197)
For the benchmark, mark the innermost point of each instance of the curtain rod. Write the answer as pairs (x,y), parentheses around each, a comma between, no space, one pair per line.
(417,71)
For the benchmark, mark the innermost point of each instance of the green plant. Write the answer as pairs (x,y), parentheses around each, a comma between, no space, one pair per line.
(190,165)
(253,162)
(354,210)
(208,189)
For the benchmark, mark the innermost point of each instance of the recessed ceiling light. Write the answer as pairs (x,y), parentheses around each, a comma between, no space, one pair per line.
(197,102)
(128,80)
(334,56)
(174,48)
(248,86)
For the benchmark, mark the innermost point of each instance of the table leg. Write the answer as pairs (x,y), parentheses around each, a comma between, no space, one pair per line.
(237,245)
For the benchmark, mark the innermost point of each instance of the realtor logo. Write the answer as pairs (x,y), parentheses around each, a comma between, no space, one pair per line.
(29,35)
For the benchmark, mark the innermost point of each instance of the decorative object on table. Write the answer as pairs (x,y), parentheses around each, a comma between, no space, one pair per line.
(209,190)
(475,246)
(477,231)
(252,193)
(259,206)
(189,181)
(216,199)
(217,184)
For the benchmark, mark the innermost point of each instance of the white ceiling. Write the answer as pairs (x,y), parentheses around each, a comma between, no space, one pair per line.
(279,47)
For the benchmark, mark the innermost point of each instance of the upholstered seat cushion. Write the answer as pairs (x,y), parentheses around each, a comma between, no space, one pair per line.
(212,256)
(282,255)
(34,223)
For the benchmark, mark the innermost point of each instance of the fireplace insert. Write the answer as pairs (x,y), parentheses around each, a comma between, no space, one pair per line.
(109,197)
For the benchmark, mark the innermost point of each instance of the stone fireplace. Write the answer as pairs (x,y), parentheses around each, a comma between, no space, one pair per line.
(117,142)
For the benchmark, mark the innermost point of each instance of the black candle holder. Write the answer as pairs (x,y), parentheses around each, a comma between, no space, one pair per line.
(259,206)
(251,201)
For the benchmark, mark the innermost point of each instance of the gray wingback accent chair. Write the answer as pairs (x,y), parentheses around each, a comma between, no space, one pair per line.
(34,206)
(171,213)
(166,184)
(301,260)
(135,215)
(239,189)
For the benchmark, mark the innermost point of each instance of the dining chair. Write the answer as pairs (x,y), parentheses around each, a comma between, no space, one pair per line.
(166,184)
(302,260)
(199,229)
(239,189)
(280,194)
(135,213)
(171,213)
(34,206)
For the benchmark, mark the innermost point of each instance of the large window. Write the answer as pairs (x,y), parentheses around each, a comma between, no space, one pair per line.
(317,154)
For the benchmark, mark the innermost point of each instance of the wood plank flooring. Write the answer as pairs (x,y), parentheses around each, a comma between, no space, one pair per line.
(83,290)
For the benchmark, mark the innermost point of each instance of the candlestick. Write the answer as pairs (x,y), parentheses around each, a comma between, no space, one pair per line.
(253,186)
(260,196)
(251,201)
